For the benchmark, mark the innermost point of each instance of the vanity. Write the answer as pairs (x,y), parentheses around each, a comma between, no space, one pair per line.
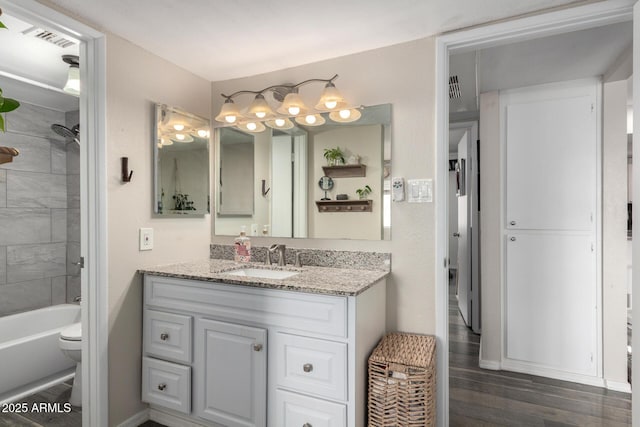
(229,344)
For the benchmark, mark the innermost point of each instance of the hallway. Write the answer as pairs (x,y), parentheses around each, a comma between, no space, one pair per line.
(479,397)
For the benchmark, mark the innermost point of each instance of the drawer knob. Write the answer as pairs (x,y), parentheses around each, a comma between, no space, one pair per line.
(306,425)
(307,367)
(164,336)
(512,223)
(257,347)
(162,386)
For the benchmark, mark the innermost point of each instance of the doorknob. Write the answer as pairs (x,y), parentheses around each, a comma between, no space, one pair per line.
(456,234)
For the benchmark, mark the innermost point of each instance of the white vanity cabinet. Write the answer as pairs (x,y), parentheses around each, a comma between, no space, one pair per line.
(219,354)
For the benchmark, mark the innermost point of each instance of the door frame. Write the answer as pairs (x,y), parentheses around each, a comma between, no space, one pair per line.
(544,24)
(93,200)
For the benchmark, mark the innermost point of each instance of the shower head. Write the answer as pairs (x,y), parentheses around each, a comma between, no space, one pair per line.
(67,133)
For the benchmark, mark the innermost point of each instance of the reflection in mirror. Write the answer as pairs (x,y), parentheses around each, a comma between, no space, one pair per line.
(181,148)
(287,168)
(235,185)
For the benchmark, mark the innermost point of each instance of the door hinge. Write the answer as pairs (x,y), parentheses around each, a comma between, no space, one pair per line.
(592,247)
(445,262)
(592,107)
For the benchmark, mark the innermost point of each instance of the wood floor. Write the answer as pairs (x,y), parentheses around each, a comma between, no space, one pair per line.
(479,397)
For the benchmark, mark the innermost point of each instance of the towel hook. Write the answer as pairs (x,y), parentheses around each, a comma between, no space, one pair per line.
(126,174)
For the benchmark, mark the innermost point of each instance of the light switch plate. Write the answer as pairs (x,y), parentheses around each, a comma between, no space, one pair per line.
(146,239)
(420,190)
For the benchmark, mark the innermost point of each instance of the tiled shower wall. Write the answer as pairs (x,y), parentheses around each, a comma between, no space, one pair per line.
(34,213)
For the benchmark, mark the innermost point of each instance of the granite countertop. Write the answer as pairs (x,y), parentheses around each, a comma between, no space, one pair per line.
(316,280)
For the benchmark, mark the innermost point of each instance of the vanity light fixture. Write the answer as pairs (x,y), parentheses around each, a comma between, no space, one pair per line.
(279,123)
(260,113)
(182,137)
(72,86)
(311,120)
(252,126)
(178,126)
(345,115)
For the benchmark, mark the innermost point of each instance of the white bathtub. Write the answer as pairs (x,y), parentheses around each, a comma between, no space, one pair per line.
(30,358)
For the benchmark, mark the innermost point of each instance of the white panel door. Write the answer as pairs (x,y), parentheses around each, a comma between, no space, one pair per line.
(551,162)
(551,257)
(230,374)
(551,301)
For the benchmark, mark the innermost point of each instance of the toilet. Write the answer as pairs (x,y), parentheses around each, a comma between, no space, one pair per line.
(70,342)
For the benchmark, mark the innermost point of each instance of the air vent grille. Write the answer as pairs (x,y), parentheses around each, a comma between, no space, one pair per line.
(454,88)
(49,36)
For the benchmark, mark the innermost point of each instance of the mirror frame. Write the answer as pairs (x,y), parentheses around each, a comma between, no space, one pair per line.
(385,181)
(157,107)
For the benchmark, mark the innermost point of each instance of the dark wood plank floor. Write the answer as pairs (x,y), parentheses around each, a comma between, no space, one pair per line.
(479,397)
(57,394)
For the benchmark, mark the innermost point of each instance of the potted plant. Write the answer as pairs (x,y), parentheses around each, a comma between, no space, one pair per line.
(363,192)
(334,156)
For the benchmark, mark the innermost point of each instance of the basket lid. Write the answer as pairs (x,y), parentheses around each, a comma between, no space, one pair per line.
(406,349)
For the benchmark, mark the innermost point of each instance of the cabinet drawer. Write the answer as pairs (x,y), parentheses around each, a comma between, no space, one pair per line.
(294,410)
(312,365)
(167,335)
(166,384)
(294,311)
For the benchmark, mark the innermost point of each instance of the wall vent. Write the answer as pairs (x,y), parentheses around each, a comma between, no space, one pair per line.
(49,36)
(454,88)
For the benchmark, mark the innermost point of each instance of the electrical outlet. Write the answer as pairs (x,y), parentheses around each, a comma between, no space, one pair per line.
(146,239)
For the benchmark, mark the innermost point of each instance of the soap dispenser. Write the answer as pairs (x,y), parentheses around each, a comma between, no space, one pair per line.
(242,246)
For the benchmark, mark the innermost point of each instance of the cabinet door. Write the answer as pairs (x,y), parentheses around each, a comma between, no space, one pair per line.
(230,373)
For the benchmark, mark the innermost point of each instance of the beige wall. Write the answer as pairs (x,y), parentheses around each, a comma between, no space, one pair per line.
(403,75)
(614,231)
(490,224)
(365,141)
(135,80)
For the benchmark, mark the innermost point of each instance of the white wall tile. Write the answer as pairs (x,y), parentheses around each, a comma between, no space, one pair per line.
(30,262)
(25,296)
(35,190)
(27,225)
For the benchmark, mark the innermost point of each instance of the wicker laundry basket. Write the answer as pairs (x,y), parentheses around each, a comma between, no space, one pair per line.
(402,381)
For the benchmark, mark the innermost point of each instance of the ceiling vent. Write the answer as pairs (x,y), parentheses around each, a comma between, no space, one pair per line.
(49,36)
(454,88)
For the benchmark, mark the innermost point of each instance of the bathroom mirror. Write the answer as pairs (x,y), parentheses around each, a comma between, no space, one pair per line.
(285,168)
(181,158)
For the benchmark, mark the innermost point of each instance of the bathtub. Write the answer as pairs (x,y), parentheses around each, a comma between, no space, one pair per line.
(30,358)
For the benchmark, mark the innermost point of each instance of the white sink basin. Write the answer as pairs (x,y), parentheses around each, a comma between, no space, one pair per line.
(263,273)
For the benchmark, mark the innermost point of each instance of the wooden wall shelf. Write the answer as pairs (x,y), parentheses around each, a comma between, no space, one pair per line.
(7,154)
(344,205)
(345,171)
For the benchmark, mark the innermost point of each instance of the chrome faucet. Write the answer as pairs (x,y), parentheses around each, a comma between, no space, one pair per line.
(299,258)
(281,253)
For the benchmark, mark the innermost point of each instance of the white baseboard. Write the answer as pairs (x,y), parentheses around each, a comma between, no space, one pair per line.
(172,420)
(136,419)
(490,364)
(618,386)
(526,368)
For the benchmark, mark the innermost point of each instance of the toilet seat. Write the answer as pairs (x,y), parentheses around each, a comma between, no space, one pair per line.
(72,332)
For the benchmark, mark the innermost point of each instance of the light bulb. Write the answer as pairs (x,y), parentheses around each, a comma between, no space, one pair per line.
(331,104)
(345,114)
(294,110)
(280,122)
(180,136)
(178,126)
(202,133)
(230,119)
(310,119)
(251,126)
(261,114)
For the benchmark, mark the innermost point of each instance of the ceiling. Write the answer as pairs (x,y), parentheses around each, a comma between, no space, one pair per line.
(220,40)
(34,60)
